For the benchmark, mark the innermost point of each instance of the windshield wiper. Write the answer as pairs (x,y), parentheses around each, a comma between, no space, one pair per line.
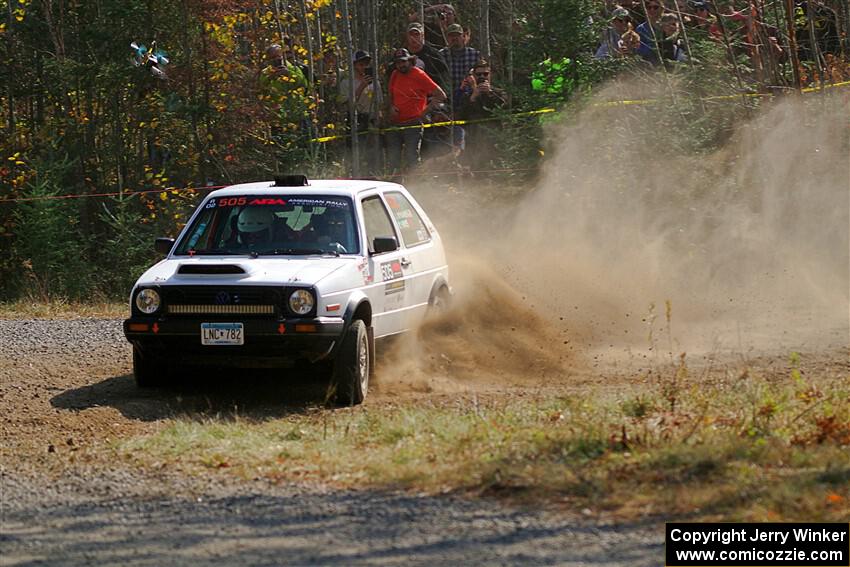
(212,252)
(296,252)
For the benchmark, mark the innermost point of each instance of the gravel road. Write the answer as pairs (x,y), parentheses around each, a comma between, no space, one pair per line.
(66,389)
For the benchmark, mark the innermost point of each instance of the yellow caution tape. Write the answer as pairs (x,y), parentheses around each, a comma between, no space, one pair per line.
(606,104)
(830,86)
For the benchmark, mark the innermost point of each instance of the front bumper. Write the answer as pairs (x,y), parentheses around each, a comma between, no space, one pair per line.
(268,342)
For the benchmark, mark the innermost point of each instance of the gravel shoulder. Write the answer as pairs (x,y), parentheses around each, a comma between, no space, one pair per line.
(66,391)
(79,521)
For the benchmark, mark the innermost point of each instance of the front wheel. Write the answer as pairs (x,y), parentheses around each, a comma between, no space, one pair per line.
(149,370)
(351,371)
(440,302)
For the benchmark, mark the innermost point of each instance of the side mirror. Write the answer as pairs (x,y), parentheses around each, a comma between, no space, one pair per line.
(382,244)
(164,245)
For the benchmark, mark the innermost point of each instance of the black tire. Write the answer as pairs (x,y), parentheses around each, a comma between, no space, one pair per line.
(353,365)
(150,371)
(440,302)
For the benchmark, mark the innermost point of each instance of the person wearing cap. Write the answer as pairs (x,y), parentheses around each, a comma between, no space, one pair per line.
(364,93)
(701,20)
(431,58)
(612,44)
(438,18)
(286,91)
(459,57)
(481,101)
(412,94)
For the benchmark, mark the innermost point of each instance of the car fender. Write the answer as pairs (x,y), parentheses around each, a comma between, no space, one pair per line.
(439,281)
(355,301)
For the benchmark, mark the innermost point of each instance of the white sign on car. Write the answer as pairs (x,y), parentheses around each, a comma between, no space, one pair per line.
(274,273)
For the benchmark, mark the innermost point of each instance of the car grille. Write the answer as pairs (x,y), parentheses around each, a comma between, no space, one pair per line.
(221,309)
(222,300)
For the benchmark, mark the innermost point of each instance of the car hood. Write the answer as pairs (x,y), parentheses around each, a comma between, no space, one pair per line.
(242,271)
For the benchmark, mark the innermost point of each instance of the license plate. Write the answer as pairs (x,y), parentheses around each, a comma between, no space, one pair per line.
(222,334)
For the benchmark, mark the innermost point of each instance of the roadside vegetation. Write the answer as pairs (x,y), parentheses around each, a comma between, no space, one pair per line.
(62,309)
(719,444)
(100,156)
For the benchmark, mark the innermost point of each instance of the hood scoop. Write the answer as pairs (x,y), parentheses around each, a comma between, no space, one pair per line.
(210,269)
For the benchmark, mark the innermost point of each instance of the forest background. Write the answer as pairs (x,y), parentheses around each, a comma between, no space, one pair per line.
(99,155)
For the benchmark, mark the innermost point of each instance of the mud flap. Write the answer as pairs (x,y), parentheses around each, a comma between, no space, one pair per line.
(370,336)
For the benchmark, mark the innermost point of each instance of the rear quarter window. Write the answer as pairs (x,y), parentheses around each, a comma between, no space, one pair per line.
(412,227)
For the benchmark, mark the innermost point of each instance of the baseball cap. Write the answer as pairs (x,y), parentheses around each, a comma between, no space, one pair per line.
(416,26)
(454,28)
(361,55)
(620,12)
(402,54)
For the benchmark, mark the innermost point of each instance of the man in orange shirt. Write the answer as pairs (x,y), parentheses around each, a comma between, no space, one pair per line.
(410,89)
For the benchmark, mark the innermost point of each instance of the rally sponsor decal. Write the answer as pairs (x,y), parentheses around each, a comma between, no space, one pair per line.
(333,203)
(363,266)
(392,273)
(260,201)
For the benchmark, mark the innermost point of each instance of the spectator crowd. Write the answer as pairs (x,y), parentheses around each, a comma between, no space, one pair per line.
(435,75)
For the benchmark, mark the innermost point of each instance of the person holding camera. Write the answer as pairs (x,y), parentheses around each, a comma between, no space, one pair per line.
(438,18)
(285,90)
(479,102)
(460,58)
(364,93)
(363,90)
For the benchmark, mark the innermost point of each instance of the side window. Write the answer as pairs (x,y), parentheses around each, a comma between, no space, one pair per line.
(412,228)
(377,220)
(227,230)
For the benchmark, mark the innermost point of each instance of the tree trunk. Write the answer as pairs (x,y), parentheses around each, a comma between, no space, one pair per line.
(485,29)
(352,103)
(792,43)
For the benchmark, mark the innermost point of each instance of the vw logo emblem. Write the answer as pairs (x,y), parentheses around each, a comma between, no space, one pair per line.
(222,298)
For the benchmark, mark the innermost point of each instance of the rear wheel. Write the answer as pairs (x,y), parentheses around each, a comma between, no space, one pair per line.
(150,371)
(353,364)
(439,303)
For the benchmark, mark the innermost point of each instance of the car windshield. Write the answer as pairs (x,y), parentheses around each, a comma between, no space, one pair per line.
(272,225)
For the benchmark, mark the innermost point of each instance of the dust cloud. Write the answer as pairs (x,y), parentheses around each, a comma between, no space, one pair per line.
(490,338)
(628,242)
(742,248)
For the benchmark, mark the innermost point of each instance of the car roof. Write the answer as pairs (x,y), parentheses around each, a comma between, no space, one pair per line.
(340,187)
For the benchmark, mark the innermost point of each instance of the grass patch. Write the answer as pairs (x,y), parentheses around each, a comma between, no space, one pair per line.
(60,309)
(744,448)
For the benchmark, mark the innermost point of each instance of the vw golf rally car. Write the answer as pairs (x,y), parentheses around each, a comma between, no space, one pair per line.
(274,273)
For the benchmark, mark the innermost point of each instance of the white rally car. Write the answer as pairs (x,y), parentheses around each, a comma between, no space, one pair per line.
(273,273)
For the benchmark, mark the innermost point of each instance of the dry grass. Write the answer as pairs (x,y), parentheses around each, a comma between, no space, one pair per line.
(744,446)
(59,309)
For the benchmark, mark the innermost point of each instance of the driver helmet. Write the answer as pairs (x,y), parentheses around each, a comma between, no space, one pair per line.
(331,224)
(255,225)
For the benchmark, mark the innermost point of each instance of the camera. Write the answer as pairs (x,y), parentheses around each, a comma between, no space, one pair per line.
(441,15)
(369,72)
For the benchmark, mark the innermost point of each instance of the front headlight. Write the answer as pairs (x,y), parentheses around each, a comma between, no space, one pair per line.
(301,301)
(148,301)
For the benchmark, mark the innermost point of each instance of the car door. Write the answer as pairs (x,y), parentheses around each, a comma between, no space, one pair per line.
(388,288)
(420,259)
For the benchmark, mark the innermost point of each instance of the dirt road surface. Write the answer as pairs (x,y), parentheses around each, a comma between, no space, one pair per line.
(66,390)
